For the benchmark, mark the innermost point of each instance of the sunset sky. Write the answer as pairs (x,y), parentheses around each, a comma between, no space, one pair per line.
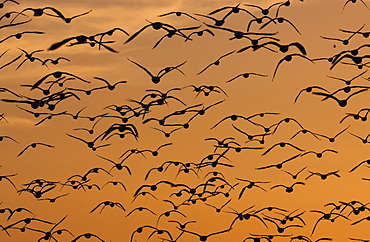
(319,23)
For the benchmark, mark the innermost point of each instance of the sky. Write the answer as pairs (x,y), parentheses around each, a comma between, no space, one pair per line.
(271,89)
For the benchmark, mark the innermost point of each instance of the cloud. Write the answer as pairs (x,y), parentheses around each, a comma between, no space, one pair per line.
(18,121)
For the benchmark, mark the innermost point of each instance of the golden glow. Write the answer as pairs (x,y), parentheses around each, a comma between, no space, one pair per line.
(258,93)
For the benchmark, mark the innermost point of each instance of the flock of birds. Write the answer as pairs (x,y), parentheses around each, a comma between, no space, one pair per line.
(210,182)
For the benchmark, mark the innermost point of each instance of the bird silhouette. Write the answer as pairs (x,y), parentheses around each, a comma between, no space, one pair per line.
(353,1)
(52,200)
(107,203)
(332,139)
(309,89)
(323,176)
(34,145)
(319,154)
(283,48)
(199,33)
(54,61)
(216,62)
(343,41)
(279,165)
(348,81)
(140,209)
(79,39)
(153,152)
(280,20)
(294,175)
(167,134)
(68,19)
(29,57)
(355,59)
(154,25)
(264,11)
(175,32)
(13,211)
(246,75)
(156,79)
(20,35)
(239,34)
(357,166)
(363,140)
(87,236)
(217,22)
(233,117)
(90,144)
(244,215)
(37,12)
(168,213)
(326,216)
(178,14)
(12,1)
(288,189)
(288,58)
(48,234)
(205,237)
(206,89)
(218,209)
(250,186)
(155,230)
(341,102)
(27,221)
(281,144)
(6,177)
(233,9)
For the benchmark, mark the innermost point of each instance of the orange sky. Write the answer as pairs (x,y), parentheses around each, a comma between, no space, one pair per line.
(245,97)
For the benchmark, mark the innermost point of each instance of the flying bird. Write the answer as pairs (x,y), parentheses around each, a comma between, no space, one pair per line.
(107,203)
(264,11)
(20,35)
(34,145)
(246,75)
(37,12)
(12,1)
(280,20)
(216,63)
(154,25)
(288,58)
(205,237)
(288,189)
(178,14)
(68,19)
(353,1)
(157,78)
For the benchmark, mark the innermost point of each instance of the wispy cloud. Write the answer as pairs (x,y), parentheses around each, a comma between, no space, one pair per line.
(18,121)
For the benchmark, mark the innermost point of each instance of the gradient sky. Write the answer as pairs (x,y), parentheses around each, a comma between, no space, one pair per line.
(256,94)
